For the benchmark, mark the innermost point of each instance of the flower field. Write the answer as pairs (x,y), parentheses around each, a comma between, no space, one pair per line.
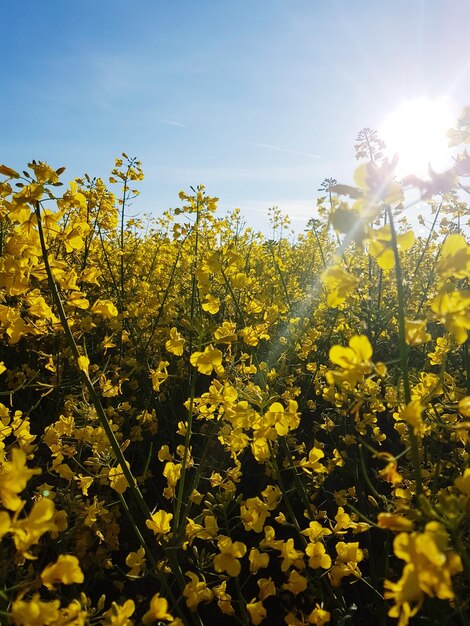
(203,425)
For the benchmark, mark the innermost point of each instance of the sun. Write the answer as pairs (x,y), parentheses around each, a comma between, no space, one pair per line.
(416,132)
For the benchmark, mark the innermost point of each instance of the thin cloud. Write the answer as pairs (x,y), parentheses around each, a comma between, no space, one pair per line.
(218,175)
(279,149)
(171,123)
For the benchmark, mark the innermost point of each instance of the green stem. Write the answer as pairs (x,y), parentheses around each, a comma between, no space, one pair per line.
(403,347)
(244,617)
(122,239)
(285,497)
(466,359)
(298,482)
(373,490)
(184,461)
(192,381)
(104,422)
(155,566)
(281,277)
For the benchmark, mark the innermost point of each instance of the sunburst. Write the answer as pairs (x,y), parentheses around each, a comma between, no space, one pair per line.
(416,132)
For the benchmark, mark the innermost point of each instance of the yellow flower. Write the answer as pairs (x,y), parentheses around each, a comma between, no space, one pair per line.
(454,260)
(136,562)
(394,521)
(158,610)
(34,612)
(339,283)
(39,307)
(207,361)
(415,332)
(211,304)
(349,552)
(407,595)
(291,556)
(224,599)
(117,480)
(411,414)
(73,235)
(346,564)
(258,560)
(73,615)
(27,532)
(175,343)
(283,420)
(257,611)
(172,473)
(90,275)
(390,472)
(118,615)
(296,583)
(230,552)
(317,556)
(266,588)
(44,172)
(196,591)
(429,570)
(13,478)
(226,333)
(312,464)
(463,482)
(359,351)
(160,522)
(272,496)
(83,363)
(253,513)
(354,361)
(5,524)
(65,570)
(319,616)
(453,310)
(104,308)
(464,406)
(378,185)
(84,482)
(315,531)
(252,335)
(159,375)
(269,540)
(380,245)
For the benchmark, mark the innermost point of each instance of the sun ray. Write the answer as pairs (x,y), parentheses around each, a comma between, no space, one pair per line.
(416,132)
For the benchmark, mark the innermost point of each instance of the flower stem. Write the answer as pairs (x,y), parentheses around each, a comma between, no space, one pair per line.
(403,347)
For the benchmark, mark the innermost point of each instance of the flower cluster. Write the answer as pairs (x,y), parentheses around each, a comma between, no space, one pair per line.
(201,425)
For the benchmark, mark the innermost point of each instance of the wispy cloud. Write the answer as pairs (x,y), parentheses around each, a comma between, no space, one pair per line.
(171,123)
(225,174)
(279,149)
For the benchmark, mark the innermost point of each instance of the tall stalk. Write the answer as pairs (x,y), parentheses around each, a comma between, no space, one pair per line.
(404,350)
(138,525)
(192,377)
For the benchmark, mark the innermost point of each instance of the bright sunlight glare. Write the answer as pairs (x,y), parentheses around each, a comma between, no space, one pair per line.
(416,132)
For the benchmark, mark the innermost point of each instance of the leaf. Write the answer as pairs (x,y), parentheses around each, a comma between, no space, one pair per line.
(344,220)
(345,190)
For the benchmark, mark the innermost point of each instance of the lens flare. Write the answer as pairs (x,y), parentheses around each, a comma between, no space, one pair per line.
(416,132)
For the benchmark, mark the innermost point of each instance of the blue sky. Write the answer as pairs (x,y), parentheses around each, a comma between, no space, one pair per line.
(259,100)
